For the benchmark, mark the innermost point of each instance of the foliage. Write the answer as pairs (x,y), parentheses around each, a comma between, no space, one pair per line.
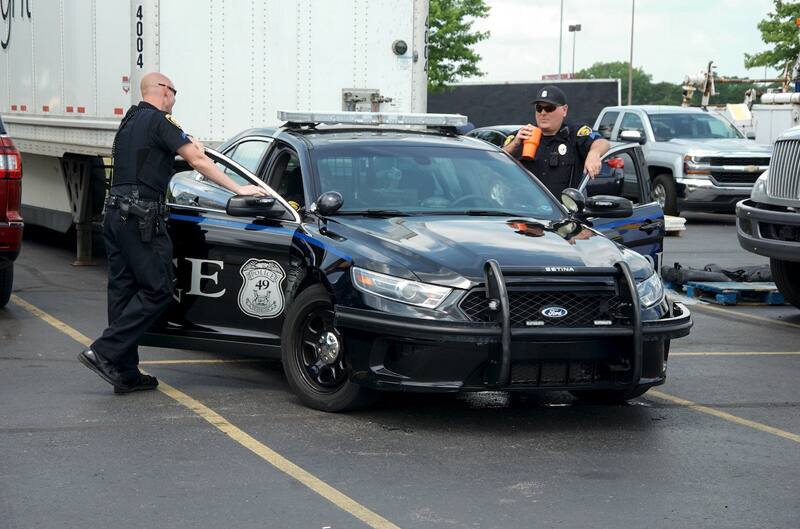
(779,29)
(450,41)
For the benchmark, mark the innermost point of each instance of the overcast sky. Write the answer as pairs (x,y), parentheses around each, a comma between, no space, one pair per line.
(672,38)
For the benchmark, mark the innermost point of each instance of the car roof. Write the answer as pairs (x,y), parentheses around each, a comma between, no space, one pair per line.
(659,109)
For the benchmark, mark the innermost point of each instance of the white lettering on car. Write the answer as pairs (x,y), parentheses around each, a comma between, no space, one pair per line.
(197,276)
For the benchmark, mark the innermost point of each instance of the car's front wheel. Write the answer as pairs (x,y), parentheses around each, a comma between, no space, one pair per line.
(312,351)
(609,396)
(787,278)
(6,280)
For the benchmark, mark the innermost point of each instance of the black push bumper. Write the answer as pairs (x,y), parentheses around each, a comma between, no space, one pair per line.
(453,355)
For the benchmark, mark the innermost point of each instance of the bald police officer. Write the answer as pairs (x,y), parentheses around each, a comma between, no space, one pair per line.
(566,150)
(140,276)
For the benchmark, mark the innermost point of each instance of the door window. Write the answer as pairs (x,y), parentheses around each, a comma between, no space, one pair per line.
(606,125)
(631,121)
(619,176)
(286,178)
(249,154)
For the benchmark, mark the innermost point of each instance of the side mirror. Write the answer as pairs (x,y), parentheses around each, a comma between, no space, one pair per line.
(254,206)
(573,200)
(329,203)
(608,206)
(634,136)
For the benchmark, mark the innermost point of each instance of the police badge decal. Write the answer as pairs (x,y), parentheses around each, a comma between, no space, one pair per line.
(261,295)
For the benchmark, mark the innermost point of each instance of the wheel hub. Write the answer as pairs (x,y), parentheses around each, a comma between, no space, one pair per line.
(328,347)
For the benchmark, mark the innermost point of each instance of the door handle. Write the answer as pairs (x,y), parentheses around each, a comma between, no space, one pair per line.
(649,226)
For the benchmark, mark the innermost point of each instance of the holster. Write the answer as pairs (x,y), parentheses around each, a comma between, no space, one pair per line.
(148,220)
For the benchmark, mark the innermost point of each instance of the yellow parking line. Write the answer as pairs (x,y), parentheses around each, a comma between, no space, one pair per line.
(737,353)
(723,415)
(331,494)
(712,308)
(201,361)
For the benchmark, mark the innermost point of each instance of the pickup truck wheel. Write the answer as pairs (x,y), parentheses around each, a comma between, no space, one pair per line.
(609,396)
(313,356)
(787,278)
(6,279)
(664,193)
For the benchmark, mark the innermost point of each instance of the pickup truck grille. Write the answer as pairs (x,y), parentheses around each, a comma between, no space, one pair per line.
(737,170)
(583,307)
(784,171)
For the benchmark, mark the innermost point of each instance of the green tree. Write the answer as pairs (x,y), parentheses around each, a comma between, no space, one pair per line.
(450,41)
(619,70)
(779,29)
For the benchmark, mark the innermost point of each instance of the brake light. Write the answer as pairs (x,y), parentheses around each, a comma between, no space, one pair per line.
(10,160)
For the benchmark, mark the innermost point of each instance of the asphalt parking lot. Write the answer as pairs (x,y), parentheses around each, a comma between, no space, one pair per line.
(226,444)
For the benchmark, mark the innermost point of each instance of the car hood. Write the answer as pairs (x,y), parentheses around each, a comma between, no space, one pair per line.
(448,250)
(721,146)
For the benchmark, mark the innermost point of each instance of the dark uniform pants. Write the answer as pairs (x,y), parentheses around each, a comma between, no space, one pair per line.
(140,280)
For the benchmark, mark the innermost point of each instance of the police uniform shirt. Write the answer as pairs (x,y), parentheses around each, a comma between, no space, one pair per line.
(559,160)
(145,148)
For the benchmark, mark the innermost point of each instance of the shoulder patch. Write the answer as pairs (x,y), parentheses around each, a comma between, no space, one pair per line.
(509,139)
(172,120)
(584,131)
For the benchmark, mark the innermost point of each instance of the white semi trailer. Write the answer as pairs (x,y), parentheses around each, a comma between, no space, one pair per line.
(71,68)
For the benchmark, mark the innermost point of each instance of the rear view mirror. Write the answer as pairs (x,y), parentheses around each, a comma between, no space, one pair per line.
(254,206)
(608,206)
(634,136)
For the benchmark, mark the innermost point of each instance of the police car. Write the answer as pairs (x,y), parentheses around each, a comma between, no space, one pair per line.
(393,254)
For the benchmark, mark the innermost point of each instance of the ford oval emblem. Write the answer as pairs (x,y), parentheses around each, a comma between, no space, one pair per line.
(554,312)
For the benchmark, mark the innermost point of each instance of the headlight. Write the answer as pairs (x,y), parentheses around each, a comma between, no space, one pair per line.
(399,289)
(696,164)
(651,290)
(759,192)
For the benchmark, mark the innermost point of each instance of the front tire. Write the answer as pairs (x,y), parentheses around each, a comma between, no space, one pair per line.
(664,193)
(609,396)
(6,281)
(313,356)
(786,275)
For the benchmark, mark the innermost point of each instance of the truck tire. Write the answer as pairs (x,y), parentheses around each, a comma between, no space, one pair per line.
(6,279)
(609,396)
(320,381)
(786,275)
(664,193)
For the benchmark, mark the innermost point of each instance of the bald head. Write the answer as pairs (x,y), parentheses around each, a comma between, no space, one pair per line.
(158,90)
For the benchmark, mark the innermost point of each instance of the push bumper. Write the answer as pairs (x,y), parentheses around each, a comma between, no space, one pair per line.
(389,352)
(774,234)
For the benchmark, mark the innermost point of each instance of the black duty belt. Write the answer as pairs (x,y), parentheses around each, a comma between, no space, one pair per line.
(114,201)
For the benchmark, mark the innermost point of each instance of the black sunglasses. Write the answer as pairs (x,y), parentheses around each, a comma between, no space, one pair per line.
(545,108)
(174,92)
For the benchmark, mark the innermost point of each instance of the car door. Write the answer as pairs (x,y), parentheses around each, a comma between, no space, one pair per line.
(230,271)
(624,174)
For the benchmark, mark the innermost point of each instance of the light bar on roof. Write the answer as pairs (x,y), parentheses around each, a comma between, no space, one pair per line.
(373,118)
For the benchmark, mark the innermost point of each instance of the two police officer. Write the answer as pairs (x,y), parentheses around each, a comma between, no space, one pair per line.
(140,276)
(566,150)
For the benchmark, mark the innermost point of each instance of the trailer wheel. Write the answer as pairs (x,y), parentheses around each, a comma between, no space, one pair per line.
(787,278)
(664,193)
(313,356)
(609,396)
(6,279)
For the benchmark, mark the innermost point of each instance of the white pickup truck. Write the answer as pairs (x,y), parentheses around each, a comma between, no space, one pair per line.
(696,159)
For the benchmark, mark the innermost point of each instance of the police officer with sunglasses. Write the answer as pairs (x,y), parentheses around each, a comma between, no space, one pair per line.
(566,152)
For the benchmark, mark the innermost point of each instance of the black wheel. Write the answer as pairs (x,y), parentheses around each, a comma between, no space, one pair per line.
(609,396)
(664,193)
(786,275)
(312,351)
(6,279)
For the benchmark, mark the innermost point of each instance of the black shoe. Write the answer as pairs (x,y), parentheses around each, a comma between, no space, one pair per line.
(102,367)
(143,383)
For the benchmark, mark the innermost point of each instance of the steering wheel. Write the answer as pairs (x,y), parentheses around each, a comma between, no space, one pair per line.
(466,198)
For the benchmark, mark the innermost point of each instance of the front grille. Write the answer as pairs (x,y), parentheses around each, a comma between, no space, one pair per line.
(784,170)
(738,178)
(583,307)
(722,160)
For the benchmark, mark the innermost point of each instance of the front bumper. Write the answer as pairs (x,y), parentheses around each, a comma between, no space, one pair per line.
(706,195)
(389,352)
(760,231)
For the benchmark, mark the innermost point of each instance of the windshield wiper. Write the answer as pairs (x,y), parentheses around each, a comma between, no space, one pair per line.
(489,213)
(375,213)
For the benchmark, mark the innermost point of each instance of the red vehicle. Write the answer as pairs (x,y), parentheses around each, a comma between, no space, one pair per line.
(10,219)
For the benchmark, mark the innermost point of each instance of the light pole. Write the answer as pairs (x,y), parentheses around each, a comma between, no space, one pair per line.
(574,29)
(630,62)
(560,33)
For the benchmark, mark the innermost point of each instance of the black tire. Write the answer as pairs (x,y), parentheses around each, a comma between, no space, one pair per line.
(609,396)
(786,275)
(6,280)
(319,385)
(664,193)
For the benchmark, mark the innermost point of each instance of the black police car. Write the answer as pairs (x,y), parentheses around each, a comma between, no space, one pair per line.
(393,258)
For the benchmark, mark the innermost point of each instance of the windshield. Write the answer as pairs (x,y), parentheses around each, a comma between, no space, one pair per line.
(414,179)
(691,126)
